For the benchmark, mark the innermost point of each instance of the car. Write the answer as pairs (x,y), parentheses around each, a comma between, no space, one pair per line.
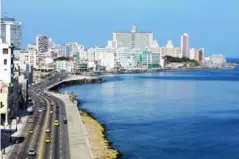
(30,131)
(57,106)
(51,111)
(56,123)
(44,108)
(40,110)
(48,130)
(48,139)
(31,152)
(36,116)
(30,121)
(65,121)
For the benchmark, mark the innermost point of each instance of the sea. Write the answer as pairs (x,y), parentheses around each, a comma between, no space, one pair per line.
(168,115)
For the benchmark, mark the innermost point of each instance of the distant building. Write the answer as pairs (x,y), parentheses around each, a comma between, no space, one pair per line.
(185,45)
(42,43)
(132,39)
(217,59)
(192,53)
(11,31)
(200,55)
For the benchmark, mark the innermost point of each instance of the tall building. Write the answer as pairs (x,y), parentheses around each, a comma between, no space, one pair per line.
(11,31)
(200,55)
(133,39)
(42,43)
(185,45)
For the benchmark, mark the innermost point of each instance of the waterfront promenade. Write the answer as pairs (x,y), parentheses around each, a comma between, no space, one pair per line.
(78,142)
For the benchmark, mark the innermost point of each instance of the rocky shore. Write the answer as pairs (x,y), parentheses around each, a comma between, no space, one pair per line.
(96,132)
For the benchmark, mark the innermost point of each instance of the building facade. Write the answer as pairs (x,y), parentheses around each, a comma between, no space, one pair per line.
(42,43)
(185,45)
(11,31)
(132,39)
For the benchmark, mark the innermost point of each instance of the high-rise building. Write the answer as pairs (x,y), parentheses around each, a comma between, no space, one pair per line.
(200,55)
(133,39)
(42,43)
(185,45)
(11,31)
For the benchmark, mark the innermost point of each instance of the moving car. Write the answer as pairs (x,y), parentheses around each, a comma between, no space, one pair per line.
(56,123)
(51,111)
(65,121)
(48,130)
(30,131)
(48,140)
(40,110)
(44,108)
(31,152)
(36,116)
(30,121)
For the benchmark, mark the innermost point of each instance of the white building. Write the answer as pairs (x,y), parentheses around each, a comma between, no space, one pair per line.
(133,39)
(217,59)
(192,53)
(9,87)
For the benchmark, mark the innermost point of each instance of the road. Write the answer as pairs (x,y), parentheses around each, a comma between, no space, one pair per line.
(59,146)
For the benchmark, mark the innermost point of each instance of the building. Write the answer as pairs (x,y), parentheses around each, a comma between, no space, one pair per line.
(132,39)
(199,55)
(217,59)
(185,45)
(11,31)
(42,43)
(9,86)
(149,59)
(192,53)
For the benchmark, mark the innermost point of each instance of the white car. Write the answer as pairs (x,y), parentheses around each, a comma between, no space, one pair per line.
(31,152)
(30,120)
(48,130)
(40,110)
(51,111)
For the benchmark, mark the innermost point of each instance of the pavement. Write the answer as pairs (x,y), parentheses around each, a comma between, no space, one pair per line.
(7,144)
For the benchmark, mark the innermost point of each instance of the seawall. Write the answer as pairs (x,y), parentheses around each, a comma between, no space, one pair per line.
(87,136)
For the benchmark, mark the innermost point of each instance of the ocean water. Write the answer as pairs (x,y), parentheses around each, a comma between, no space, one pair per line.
(168,115)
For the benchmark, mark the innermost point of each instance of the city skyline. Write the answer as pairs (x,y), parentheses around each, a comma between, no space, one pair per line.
(202,32)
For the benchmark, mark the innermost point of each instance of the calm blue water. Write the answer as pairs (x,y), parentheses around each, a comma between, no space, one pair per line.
(172,115)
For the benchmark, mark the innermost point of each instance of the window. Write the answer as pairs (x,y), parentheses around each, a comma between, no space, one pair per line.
(5,61)
(5,51)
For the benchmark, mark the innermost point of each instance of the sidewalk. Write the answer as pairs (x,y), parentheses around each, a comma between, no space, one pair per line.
(6,145)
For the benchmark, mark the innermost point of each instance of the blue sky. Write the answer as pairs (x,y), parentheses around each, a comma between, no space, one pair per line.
(211,24)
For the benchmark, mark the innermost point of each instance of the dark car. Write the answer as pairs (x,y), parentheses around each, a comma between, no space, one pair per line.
(65,121)
(44,108)
(36,116)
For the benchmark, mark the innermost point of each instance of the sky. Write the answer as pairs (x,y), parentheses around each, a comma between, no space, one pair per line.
(211,24)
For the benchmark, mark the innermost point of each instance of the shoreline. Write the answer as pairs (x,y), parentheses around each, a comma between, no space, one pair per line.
(136,71)
(101,146)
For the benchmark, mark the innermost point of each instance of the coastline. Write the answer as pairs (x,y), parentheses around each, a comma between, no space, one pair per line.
(96,132)
(136,71)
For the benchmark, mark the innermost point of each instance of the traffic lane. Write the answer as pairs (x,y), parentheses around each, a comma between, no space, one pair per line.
(64,140)
(47,150)
(33,126)
(41,125)
(55,134)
